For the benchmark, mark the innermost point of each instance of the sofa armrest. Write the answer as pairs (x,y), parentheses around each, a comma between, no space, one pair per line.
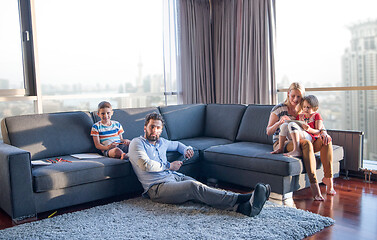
(16,187)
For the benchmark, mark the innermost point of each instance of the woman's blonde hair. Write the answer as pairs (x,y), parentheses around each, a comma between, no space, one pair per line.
(295,86)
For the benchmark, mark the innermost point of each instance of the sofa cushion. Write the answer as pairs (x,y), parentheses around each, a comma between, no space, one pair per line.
(64,174)
(184,121)
(223,120)
(257,157)
(202,143)
(253,124)
(132,120)
(51,134)
(253,157)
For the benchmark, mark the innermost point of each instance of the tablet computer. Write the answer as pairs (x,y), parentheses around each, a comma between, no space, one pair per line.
(300,123)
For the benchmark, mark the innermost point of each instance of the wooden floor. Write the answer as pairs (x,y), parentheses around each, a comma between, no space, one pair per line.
(354,209)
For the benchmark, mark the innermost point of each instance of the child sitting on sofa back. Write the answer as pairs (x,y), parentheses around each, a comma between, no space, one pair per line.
(107,134)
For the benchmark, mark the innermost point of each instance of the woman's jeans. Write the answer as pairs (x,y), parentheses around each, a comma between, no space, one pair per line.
(308,150)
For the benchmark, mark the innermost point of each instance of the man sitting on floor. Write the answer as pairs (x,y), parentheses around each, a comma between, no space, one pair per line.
(163,184)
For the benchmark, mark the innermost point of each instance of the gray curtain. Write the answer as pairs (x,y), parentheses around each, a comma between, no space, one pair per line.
(195,71)
(227,57)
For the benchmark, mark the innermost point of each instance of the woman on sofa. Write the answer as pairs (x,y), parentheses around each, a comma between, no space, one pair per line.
(288,110)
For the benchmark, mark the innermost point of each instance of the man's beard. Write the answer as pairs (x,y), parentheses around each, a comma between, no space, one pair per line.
(152,138)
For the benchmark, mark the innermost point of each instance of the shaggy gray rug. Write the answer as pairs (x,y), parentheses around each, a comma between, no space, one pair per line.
(143,219)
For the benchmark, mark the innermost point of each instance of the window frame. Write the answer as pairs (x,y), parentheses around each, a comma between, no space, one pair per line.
(29,92)
(333,89)
(25,51)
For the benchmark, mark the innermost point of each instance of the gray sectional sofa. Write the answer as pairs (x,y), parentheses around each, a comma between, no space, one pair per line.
(229,140)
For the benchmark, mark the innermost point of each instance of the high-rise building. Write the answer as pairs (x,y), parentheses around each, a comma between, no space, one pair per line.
(359,65)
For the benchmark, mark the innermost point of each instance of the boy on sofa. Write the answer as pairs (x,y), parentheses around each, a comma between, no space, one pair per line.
(162,183)
(107,134)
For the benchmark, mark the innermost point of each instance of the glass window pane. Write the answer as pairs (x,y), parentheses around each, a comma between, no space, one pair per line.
(172,100)
(100,47)
(11,70)
(326,43)
(15,108)
(170,47)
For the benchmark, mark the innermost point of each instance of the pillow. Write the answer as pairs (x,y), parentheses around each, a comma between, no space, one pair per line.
(184,121)
(223,120)
(254,123)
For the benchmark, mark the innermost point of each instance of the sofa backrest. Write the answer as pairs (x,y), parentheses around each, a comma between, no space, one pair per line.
(223,120)
(132,120)
(184,121)
(50,134)
(253,124)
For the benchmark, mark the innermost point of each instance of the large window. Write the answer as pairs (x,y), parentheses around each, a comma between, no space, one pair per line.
(332,44)
(100,49)
(70,55)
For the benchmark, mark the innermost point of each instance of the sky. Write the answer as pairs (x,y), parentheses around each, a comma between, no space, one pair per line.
(311,37)
(95,41)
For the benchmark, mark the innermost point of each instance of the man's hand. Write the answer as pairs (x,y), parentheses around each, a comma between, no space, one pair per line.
(126,142)
(189,153)
(326,139)
(175,166)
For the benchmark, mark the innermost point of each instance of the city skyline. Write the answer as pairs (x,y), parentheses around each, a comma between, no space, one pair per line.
(359,64)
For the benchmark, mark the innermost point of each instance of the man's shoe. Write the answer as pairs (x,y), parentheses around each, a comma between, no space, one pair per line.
(260,196)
